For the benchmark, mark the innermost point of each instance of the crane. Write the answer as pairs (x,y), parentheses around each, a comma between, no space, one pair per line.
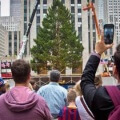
(25,37)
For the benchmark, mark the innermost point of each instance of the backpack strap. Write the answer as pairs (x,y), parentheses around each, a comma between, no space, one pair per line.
(114,94)
(86,108)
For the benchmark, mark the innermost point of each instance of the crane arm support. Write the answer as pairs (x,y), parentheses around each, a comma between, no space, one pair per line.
(24,41)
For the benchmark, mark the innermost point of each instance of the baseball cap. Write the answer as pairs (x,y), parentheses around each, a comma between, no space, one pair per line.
(1,82)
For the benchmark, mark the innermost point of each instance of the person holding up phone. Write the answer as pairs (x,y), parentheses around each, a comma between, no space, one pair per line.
(108,33)
(97,99)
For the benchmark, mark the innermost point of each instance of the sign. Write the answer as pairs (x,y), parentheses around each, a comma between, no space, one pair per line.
(6,70)
(6,75)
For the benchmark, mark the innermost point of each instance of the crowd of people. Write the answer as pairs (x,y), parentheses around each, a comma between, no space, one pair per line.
(87,100)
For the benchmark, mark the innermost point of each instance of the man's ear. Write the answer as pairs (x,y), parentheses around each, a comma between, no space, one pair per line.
(115,72)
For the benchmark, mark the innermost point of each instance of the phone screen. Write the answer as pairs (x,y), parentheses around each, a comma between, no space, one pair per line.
(108,33)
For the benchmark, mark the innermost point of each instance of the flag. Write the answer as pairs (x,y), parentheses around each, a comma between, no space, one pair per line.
(104,61)
(3,65)
(7,64)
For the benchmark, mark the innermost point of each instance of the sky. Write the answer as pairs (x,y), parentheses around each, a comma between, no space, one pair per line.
(5,7)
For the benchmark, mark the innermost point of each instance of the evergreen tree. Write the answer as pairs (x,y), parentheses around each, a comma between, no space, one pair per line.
(56,43)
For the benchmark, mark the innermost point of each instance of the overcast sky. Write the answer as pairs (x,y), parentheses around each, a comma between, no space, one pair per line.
(5,7)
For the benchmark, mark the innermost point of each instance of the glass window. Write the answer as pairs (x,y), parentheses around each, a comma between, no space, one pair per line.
(80,33)
(79,20)
(38,19)
(25,2)
(72,2)
(25,10)
(73,18)
(79,10)
(10,52)
(10,35)
(15,35)
(25,18)
(38,11)
(72,9)
(79,1)
(25,27)
(63,1)
(10,44)
(38,26)
(45,11)
(44,1)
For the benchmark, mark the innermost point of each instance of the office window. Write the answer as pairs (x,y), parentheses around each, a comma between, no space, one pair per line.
(25,18)
(25,2)
(25,10)
(44,11)
(63,1)
(79,1)
(73,18)
(79,20)
(38,19)
(80,33)
(25,27)
(10,44)
(15,35)
(10,35)
(10,52)
(79,10)
(44,1)
(72,2)
(38,11)
(72,9)
(15,48)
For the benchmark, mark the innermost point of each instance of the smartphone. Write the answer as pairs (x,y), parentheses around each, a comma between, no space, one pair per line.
(108,33)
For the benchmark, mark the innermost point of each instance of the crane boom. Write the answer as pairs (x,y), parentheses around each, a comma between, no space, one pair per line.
(25,37)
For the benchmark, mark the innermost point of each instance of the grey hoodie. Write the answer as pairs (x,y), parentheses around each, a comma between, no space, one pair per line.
(20,103)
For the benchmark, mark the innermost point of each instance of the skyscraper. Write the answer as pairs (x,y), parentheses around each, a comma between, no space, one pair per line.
(0,8)
(15,9)
(114,15)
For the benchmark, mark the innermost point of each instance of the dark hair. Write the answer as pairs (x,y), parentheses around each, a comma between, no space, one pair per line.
(54,76)
(71,95)
(117,59)
(20,71)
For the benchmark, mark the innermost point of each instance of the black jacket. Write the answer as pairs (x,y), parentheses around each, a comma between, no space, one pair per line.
(98,99)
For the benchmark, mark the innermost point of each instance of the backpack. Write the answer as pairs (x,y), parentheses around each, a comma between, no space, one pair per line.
(114,94)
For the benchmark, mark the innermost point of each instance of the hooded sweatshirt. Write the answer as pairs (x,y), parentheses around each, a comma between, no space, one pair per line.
(20,103)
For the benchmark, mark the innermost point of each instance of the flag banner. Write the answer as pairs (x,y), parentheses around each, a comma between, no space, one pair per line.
(104,61)
(5,65)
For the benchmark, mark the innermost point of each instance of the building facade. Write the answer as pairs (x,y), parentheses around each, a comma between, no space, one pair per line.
(13,37)
(0,8)
(15,9)
(114,16)
(9,23)
(83,22)
(3,41)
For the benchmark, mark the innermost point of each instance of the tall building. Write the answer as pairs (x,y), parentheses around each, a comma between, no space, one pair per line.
(3,42)
(0,8)
(102,10)
(13,37)
(15,9)
(114,15)
(9,23)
